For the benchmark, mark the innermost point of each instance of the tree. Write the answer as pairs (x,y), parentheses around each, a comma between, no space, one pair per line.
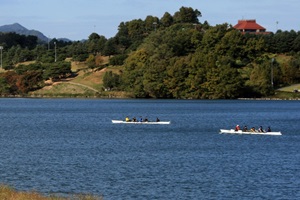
(79,51)
(13,39)
(91,61)
(296,43)
(136,29)
(231,44)
(132,77)
(57,70)
(122,37)
(110,47)
(4,87)
(205,25)
(21,69)
(11,78)
(111,80)
(166,20)
(118,59)
(177,76)
(284,41)
(176,40)
(39,51)
(96,43)
(291,70)
(29,81)
(260,78)
(187,15)
(213,76)
(253,48)
(212,37)
(94,36)
(153,80)
(151,23)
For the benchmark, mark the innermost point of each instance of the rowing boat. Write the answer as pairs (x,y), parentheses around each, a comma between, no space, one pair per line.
(124,122)
(232,131)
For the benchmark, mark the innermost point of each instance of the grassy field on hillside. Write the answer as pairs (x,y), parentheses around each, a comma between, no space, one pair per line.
(87,83)
(291,88)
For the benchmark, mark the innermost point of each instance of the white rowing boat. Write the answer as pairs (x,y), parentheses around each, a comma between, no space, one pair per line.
(124,122)
(232,131)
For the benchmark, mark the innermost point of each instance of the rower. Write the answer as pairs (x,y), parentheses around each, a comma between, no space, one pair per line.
(127,119)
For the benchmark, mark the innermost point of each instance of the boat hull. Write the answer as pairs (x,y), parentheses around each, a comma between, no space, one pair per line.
(232,131)
(124,122)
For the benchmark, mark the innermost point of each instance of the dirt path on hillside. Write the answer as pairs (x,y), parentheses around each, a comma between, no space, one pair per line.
(79,84)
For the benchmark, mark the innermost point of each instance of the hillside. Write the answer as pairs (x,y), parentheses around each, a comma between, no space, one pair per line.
(181,58)
(291,88)
(87,83)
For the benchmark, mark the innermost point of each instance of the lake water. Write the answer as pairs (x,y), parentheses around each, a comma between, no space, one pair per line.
(70,146)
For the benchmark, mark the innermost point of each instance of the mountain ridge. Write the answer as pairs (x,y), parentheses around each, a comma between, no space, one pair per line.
(19,29)
(13,27)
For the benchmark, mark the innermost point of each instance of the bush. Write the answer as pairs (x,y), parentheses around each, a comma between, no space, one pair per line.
(118,59)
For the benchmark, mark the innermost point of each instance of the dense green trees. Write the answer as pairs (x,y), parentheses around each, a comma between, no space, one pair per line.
(111,80)
(30,77)
(96,44)
(166,20)
(4,87)
(291,70)
(174,56)
(187,15)
(9,40)
(180,61)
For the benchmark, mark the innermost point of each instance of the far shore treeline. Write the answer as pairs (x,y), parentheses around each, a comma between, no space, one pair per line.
(175,56)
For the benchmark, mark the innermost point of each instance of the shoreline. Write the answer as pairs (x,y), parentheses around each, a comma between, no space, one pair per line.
(109,96)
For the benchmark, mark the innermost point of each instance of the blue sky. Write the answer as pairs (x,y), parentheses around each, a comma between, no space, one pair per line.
(77,19)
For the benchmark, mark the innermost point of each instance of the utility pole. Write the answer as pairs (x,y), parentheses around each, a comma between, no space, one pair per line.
(1,48)
(272,83)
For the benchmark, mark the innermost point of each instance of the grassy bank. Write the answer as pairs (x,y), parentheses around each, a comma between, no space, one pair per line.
(88,83)
(284,95)
(7,193)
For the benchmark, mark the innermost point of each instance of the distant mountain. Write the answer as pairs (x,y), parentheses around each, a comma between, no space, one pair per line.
(19,29)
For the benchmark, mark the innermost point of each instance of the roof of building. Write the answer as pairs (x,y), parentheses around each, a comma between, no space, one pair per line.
(248,25)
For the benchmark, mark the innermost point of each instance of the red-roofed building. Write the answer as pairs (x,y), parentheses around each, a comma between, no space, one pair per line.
(250,26)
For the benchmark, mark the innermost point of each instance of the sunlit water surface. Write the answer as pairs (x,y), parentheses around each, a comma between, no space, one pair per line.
(70,146)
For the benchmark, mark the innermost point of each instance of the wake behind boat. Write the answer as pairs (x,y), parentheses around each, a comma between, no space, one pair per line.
(137,122)
(232,131)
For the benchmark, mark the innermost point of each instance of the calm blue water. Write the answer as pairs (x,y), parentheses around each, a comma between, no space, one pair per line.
(70,146)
